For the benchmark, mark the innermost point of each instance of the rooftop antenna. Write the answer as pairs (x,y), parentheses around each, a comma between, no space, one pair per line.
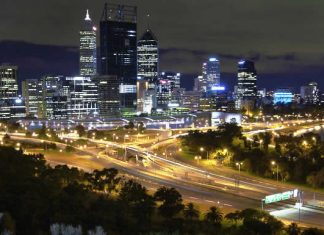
(148,20)
(87,15)
(105,12)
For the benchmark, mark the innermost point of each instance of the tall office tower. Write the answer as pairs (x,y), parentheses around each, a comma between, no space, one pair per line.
(310,93)
(148,58)
(118,50)
(83,98)
(88,48)
(11,106)
(32,92)
(198,84)
(163,95)
(246,95)
(8,82)
(211,74)
(108,96)
(52,86)
(173,78)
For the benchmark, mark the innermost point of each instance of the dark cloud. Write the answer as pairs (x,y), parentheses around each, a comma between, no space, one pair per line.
(279,35)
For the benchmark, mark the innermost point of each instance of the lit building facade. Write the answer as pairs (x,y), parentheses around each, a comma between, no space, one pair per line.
(148,58)
(163,95)
(108,96)
(190,100)
(246,93)
(310,93)
(88,48)
(210,74)
(118,50)
(53,87)
(83,98)
(11,105)
(8,81)
(282,96)
(32,92)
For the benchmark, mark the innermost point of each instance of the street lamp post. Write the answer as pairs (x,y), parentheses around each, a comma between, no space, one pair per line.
(202,150)
(197,158)
(239,167)
(277,168)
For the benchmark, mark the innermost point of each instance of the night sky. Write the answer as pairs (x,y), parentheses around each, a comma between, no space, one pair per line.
(285,38)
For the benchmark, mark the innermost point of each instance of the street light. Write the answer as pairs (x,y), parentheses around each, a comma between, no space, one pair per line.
(239,166)
(126,136)
(202,150)
(274,163)
(197,158)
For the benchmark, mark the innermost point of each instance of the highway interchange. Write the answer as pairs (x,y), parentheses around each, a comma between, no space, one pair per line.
(202,187)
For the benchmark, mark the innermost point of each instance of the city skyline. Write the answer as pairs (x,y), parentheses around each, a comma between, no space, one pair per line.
(290,56)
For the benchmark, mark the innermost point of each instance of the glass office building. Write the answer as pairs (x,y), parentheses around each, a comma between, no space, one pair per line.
(88,48)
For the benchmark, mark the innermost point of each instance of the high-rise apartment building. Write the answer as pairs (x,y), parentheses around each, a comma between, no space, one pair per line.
(88,48)
(118,50)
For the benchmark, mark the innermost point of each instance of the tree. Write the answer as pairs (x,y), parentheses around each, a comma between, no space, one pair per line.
(293,229)
(80,130)
(312,231)
(106,179)
(6,138)
(214,216)
(266,139)
(190,212)
(42,133)
(140,127)
(171,201)
(141,205)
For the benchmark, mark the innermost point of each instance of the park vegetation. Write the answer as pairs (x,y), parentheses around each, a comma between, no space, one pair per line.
(298,159)
(36,198)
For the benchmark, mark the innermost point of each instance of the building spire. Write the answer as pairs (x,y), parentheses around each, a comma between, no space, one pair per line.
(87,16)
(148,21)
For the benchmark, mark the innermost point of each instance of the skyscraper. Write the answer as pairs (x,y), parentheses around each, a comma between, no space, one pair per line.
(108,95)
(310,93)
(118,50)
(8,82)
(88,48)
(32,92)
(11,106)
(148,58)
(211,74)
(53,95)
(246,94)
(83,98)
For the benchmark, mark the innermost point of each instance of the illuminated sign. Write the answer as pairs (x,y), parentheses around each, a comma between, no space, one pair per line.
(280,196)
(218,88)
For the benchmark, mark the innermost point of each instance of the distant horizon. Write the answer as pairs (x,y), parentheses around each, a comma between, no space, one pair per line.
(37,60)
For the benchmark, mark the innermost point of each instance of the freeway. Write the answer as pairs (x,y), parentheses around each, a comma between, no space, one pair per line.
(197,185)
